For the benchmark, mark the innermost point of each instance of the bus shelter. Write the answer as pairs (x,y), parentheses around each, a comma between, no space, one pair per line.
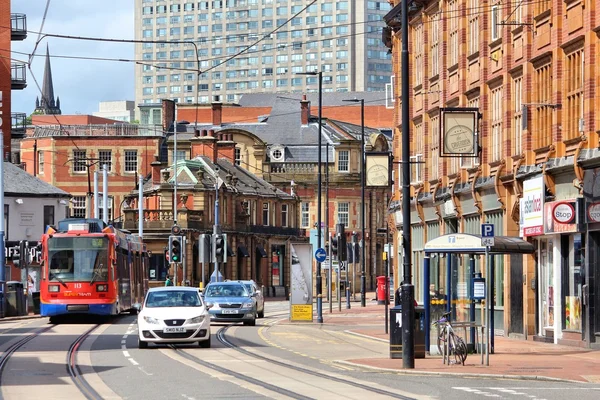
(462,292)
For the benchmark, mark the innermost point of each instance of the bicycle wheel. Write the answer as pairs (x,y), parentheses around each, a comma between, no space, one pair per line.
(461,349)
(441,338)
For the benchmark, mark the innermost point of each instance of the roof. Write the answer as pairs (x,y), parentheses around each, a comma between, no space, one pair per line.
(330,99)
(18,182)
(169,288)
(464,243)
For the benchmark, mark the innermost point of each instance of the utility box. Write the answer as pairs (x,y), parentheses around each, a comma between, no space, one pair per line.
(15,299)
(396,332)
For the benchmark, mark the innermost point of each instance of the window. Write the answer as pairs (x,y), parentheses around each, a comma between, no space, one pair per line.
(543,113)
(435,149)
(265,214)
(40,162)
(574,83)
(434,46)
(453,29)
(468,162)
(79,207)
(496,139)
(473,45)
(101,207)
(305,215)
(284,215)
(79,161)
(238,156)
(180,155)
(105,157)
(417,168)
(518,115)
(48,216)
(418,57)
(496,28)
(343,212)
(131,161)
(343,161)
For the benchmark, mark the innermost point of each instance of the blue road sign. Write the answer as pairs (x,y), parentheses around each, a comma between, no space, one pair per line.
(487,230)
(320,255)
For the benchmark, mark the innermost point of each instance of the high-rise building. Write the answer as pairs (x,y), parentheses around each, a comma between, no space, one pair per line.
(340,38)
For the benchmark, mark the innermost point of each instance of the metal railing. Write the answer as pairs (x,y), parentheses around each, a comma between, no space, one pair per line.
(98,130)
(18,26)
(18,122)
(18,75)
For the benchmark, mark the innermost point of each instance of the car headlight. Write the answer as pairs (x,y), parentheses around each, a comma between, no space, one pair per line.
(248,305)
(151,320)
(209,304)
(196,320)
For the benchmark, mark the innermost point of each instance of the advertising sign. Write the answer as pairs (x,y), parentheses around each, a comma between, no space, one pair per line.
(560,216)
(377,167)
(301,296)
(458,127)
(531,210)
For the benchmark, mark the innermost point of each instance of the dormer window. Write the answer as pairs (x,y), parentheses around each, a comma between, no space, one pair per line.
(277,153)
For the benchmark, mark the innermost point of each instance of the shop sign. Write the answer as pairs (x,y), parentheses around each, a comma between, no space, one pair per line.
(561,216)
(531,210)
(593,212)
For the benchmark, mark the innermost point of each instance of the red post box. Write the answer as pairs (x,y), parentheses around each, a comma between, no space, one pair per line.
(382,284)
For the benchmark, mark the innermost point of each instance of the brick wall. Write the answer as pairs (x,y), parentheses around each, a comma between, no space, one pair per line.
(5,75)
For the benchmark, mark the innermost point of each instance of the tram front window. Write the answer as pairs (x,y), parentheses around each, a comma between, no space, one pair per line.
(78,259)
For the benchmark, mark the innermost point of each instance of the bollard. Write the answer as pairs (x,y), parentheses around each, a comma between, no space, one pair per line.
(347,295)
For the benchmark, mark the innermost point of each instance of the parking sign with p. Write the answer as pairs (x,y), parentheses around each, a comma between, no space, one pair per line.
(487,234)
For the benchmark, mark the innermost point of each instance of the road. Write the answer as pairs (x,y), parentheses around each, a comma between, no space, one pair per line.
(275,359)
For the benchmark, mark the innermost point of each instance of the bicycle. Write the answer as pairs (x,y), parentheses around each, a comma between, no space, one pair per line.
(447,339)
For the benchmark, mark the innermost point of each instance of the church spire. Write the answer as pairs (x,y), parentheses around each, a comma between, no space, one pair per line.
(47,105)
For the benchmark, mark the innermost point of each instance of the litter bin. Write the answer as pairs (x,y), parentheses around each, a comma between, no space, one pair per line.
(396,332)
(35,297)
(14,300)
(381,289)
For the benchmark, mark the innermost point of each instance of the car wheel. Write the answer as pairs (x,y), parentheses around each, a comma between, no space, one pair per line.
(261,314)
(251,323)
(142,344)
(133,311)
(205,344)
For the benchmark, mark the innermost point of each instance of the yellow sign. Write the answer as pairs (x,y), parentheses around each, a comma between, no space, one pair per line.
(302,312)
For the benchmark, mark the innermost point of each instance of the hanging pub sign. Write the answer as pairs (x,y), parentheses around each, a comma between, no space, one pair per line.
(458,130)
(377,166)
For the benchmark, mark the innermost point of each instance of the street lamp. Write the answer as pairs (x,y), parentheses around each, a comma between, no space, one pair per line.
(363,282)
(319,279)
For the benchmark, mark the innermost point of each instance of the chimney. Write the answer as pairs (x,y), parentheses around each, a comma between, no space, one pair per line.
(305,110)
(155,166)
(226,146)
(168,112)
(217,113)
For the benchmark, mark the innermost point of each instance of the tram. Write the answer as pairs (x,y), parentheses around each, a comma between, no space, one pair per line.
(89,267)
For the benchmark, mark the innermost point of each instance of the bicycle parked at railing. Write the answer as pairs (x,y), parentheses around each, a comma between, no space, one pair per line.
(449,341)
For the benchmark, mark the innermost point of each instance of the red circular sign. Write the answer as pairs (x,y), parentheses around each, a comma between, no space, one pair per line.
(594,212)
(563,213)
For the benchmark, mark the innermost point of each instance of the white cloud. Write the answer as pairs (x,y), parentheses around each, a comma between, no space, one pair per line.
(80,84)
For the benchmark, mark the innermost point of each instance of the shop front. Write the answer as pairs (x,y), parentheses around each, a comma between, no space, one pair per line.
(591,268)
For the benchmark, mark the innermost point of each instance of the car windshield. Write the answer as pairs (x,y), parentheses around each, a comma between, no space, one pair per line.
(173,298)
(248,287)
(217,290)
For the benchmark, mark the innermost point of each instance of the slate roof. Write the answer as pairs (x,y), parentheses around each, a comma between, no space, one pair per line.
(18,182)
(330,99)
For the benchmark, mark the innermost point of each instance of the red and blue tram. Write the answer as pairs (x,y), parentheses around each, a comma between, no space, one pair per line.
(91,268)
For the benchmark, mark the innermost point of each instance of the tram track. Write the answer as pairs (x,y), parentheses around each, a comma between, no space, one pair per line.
(221,337)
(71,360)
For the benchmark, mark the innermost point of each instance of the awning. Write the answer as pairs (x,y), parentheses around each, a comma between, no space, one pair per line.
(464,243)
(242,250)
(261,251)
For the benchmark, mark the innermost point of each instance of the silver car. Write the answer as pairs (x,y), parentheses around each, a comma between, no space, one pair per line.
(230,301)
(252,287)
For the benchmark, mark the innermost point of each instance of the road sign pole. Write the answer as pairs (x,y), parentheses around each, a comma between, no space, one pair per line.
(487,306)
(330,275)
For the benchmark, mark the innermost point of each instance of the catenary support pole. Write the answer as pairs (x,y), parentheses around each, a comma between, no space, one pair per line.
(96,203)
(105,193)
(141,207)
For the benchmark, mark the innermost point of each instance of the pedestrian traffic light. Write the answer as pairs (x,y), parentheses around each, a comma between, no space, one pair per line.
(219,247)
(167,254)
(175,243)
(341,235)
(20,256)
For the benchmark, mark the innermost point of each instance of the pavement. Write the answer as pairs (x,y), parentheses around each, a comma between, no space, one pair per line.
(513,358)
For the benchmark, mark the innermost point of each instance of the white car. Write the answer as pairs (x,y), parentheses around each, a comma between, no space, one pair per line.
(173,314)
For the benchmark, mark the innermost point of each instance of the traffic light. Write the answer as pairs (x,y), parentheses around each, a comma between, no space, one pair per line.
(219,247)
(167,254)
(175,250)
(341,235)
(334,246)
(20,257)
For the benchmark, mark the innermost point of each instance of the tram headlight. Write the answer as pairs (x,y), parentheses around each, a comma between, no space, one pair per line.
(101,288)
(54,288)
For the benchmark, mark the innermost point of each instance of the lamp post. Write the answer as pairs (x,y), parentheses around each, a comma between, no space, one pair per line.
(363,281)
(408,289)
(319,282)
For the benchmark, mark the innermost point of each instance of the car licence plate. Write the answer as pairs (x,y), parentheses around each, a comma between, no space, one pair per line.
(229,311)
(174,330)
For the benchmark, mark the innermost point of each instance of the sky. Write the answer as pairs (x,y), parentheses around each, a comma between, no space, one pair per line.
(80,84)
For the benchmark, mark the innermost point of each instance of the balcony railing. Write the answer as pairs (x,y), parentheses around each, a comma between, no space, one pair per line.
(18,123)
(306,171)
(98,130)
(18,26)
(158,220)
(18,76)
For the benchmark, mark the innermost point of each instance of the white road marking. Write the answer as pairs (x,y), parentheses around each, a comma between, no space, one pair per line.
(144,371)
(131,360)
(126,354)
